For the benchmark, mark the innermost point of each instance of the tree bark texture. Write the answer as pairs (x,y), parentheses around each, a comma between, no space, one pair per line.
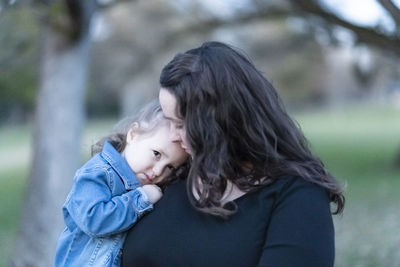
(56,144)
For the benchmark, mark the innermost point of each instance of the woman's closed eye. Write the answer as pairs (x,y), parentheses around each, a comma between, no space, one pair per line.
(178,124)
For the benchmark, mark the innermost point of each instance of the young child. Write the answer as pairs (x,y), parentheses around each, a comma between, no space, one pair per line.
(115,188)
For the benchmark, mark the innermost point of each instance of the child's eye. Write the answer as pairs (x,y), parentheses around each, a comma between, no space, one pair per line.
(179,126)
(156,154)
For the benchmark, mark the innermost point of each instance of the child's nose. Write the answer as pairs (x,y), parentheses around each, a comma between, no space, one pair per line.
(157,170)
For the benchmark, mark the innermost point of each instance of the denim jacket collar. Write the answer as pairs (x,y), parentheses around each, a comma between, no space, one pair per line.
(120,165)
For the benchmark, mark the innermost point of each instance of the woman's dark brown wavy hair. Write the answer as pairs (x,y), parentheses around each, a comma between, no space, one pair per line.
(237,128)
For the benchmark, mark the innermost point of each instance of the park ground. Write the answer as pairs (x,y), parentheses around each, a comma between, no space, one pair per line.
(358,146)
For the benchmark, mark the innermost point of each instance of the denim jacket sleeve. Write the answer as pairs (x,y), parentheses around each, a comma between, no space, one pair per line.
(92,207)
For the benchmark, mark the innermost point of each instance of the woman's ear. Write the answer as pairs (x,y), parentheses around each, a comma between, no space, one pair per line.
(132,132)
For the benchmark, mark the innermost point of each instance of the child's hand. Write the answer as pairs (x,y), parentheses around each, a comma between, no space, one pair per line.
(153,192)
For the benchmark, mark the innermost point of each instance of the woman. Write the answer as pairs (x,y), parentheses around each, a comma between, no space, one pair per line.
(255,194)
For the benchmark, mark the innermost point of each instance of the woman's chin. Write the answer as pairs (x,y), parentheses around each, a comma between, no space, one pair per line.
(187,150)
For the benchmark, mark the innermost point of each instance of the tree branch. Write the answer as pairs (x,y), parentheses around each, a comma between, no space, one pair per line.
(272,13)
(366,35)
(393,10)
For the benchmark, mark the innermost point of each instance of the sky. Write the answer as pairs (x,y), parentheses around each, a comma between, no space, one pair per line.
(362,12)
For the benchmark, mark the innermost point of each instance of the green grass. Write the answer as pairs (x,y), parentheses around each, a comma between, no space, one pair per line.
(14,154)
(15,149)
(12,185)
(358,146)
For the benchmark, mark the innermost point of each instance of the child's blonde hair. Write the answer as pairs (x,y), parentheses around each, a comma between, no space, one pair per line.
(147,119)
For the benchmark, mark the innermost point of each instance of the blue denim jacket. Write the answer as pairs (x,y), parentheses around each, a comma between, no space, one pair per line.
(105,201)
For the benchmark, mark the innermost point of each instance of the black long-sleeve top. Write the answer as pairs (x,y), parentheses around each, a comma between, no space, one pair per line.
(287,223)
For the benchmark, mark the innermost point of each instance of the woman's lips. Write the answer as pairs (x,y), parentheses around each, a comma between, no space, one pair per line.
(187,150)
(184,147)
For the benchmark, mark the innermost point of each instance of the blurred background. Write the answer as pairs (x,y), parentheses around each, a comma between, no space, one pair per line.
(70,69)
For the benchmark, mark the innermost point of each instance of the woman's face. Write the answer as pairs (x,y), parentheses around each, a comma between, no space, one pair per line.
(177,128)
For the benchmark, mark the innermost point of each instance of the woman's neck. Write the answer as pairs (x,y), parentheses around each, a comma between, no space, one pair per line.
(231,193)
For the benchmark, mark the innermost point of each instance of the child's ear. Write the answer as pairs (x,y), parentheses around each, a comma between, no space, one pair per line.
(132,132)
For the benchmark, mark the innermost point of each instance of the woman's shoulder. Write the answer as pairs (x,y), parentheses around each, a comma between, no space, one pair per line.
(281,186)
(295,187)
(292,181)
(176,190)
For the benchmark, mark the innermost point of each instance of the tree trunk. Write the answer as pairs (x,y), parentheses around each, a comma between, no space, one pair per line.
(56,145)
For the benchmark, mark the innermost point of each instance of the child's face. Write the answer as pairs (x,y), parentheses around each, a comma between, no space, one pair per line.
(152,156)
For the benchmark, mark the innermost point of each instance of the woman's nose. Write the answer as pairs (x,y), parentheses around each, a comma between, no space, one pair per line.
(174,135)
(175,138)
